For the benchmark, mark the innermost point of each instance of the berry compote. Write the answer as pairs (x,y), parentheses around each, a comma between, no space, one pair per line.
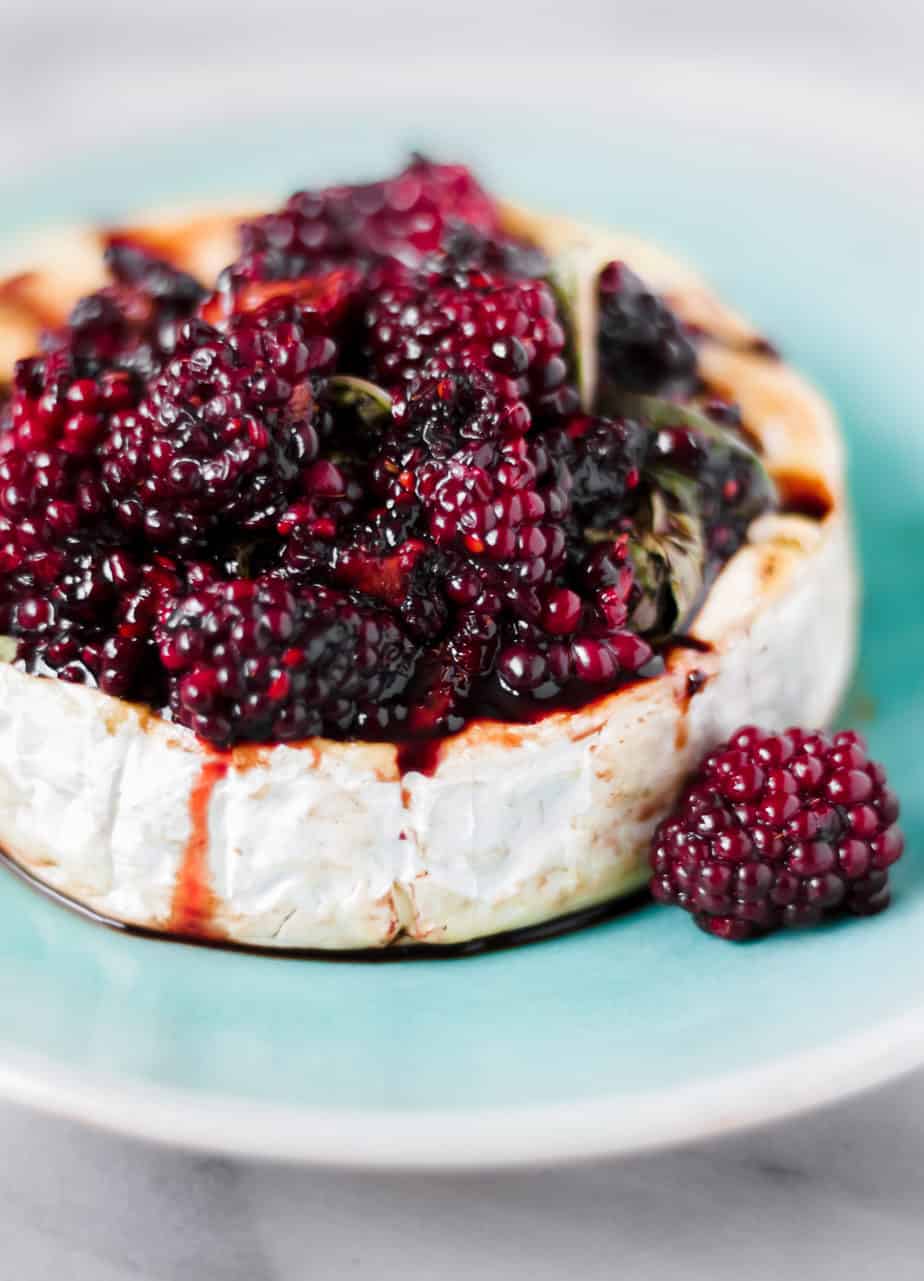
(348,487)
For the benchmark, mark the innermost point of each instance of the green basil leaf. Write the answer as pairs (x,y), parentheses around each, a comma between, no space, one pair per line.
(573,276)
(372,403)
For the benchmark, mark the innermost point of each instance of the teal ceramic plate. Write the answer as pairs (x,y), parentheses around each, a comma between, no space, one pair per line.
(634,1033)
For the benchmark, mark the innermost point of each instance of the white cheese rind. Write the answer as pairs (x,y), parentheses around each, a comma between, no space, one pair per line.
(325,845)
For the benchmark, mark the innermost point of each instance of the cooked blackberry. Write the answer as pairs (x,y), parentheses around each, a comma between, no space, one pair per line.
(221,436)
(458,519)
(253,659)
(505,330)
(133,323)
(642,346)
(407,217)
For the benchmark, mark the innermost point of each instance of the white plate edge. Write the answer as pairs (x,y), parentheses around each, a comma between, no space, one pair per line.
(450,1141)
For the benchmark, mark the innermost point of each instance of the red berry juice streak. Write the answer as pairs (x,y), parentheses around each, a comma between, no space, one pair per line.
(193,905)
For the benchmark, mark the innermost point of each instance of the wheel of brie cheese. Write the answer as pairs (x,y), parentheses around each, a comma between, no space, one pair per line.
(387,594)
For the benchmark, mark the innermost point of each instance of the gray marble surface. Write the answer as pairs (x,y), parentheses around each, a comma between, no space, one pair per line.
(835,1195)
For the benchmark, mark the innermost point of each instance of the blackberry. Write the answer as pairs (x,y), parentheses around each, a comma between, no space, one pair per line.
(59,407)
(779,830)
(576,645)
(255,660)
(113,664)
(407,216)
(465,249)
(463,457)
(49,586)
(508,331)
(222,434)
(641,344)
(93,613)
(606,460)
(133,323)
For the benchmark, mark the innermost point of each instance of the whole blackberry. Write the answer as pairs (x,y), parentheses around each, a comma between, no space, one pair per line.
(476,322)
(59,407)
(569,649)
(606,460)
(462,456)
(88,611)
(134,266)
(779,830)
(464,248)
(255,660)
(641,343)
(454,190)
(53,507)
(222,434)
(133,323)
(408,217)
(46,589)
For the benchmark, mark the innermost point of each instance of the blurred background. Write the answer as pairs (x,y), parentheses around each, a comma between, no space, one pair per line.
(76,73)
(726,129)
(780,145)
(720,127)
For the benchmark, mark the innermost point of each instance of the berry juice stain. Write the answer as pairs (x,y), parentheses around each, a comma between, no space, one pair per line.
(192,908)
(802,495)
(420,756)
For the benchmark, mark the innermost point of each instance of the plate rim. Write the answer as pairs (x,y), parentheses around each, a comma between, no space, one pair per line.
(446,1141)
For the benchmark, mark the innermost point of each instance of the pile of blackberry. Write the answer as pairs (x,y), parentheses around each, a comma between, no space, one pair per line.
(206,506)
